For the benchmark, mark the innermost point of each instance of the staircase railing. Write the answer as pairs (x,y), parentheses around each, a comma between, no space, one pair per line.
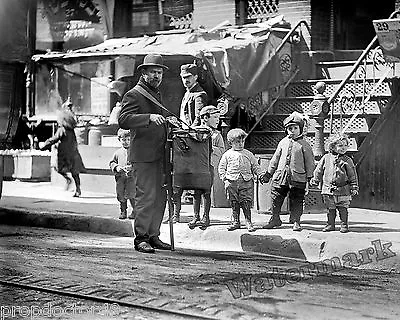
(290,34)
(357,112)
(351,73)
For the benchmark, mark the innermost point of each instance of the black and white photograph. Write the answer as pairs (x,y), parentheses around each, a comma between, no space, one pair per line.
(199,159)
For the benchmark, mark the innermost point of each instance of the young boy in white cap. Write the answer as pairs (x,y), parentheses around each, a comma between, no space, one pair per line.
(237,169)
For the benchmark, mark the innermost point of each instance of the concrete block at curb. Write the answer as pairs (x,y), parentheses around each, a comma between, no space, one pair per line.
(211,239)
(72,222)
(218,239)
(283,247)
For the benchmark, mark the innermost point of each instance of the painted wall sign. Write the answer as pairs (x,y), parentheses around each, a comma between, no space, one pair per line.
(69,24)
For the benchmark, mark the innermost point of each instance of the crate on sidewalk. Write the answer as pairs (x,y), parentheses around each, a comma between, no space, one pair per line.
(8,166)
(32,165)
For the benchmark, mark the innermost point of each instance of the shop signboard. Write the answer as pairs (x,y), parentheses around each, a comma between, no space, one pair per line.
(70,24)
(388,33)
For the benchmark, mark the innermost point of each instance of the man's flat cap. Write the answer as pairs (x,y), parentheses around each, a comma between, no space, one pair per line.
(209,110)
(188,70)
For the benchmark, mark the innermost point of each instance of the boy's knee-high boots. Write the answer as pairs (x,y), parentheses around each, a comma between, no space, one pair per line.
(331,221)
(205,220)
(196,208)
(177,212)
(246,207)
(177,204)
(123,206)
(344,216)
(276,205)
(296,203)
(235,221)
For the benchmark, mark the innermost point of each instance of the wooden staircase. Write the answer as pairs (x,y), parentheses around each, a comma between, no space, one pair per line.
(358,90)
(364,97)
(298,97)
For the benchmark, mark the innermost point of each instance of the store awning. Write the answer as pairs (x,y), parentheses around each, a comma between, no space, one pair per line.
(241,59)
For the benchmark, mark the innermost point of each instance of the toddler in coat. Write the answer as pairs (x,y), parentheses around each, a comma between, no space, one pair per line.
(290,168)
(339,180)
(124,178)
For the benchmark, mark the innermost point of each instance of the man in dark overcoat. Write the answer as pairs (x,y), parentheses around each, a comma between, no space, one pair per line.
(146,121)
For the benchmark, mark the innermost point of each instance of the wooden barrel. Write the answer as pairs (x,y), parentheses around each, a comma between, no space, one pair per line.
(81,134)
(94,138)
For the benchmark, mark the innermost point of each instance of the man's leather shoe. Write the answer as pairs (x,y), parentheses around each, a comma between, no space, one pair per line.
(273,223)
(144,247)
(158,244)
(297,226)
(132,216)
(329,228)
(234,226)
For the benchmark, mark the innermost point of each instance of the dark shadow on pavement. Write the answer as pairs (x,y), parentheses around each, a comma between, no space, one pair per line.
(354,226)
(97,197)
(338,222)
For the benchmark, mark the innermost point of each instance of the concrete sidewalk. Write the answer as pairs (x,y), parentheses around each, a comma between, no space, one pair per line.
(373,241)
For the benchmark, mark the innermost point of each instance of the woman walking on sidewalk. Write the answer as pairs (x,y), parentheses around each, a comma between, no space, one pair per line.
(68,156)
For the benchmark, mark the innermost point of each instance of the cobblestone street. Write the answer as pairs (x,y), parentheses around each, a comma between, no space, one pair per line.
(206,284)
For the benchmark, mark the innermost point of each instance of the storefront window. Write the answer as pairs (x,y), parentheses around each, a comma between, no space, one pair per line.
(84,83)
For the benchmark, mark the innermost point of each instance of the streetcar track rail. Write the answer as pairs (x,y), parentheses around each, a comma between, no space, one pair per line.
(96,298)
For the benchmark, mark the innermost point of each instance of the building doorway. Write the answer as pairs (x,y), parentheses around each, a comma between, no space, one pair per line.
(352,21)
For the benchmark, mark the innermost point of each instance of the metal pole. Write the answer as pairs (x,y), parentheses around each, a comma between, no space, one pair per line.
(31,43)
(168,181)
(319,149)
(332,27)
(161,14)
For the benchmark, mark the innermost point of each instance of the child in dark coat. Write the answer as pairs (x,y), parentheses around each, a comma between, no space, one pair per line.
(290,169)
(209,118)
(125,183)
(339,180)
(68,156)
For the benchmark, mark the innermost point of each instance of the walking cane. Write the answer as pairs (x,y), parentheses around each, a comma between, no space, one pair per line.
(258,189)
(168,180)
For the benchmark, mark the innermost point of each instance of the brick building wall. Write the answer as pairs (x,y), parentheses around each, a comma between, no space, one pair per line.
(320,24)
(145,17)
(294,11)
(135,17)
(209,13)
